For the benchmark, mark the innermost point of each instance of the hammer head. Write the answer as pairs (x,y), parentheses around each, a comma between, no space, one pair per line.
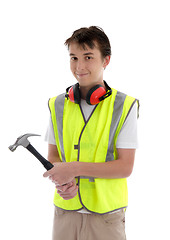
(22,141)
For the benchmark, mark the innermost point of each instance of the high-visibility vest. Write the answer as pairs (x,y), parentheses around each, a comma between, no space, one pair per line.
(92,140)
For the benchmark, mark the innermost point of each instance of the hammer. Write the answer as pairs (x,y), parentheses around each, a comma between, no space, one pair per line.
(23,141)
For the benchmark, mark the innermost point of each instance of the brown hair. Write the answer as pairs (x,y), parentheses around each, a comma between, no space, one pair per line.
(87,36)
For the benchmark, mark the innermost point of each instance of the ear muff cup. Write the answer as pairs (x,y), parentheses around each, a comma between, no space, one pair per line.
(94,94)
(74,94)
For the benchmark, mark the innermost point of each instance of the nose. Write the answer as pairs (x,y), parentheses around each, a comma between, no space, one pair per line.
(80,65)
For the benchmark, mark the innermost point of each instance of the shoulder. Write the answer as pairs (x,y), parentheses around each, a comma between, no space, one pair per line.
(57,99)
(62,95)
(122,96)
(124,100)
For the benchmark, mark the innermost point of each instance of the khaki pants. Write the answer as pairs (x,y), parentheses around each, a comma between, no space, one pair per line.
(80,226)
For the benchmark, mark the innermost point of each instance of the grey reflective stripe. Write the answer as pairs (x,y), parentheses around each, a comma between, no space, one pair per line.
(91,179)
(131,109)
(117,112)
(59,108)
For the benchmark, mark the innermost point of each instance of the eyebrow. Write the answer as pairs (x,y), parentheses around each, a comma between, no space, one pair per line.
(85,54)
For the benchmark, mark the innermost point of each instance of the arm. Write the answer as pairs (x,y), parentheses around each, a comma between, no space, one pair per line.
(53,155)
(121,168)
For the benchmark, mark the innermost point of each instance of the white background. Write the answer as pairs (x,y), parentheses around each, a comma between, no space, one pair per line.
(34,66)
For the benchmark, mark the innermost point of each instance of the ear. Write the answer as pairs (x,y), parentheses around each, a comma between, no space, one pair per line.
(106,61)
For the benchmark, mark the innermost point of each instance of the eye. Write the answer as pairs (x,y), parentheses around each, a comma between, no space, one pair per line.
(88,58)
(74,58)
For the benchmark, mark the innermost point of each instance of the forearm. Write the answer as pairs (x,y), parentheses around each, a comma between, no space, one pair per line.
(112,169)
(65,172)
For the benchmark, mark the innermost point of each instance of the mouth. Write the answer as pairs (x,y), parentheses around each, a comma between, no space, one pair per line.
(80,75)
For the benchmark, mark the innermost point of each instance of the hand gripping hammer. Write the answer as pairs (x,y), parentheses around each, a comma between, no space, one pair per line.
(23,141)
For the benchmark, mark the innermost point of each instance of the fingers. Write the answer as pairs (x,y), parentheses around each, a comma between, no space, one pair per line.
(69,193)
(60,174)
(64,187)
(50,172)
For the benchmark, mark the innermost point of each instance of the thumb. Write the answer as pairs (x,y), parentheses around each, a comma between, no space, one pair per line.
(47,173)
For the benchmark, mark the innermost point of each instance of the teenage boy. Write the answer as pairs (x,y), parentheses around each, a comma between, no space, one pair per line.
(92,139)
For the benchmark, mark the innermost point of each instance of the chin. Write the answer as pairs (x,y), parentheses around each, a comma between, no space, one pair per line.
(83,82)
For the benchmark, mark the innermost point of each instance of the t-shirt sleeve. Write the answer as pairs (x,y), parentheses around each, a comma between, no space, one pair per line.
(49,136)
(128,137)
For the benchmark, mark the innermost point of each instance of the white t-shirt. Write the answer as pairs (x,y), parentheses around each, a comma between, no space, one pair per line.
(127,137)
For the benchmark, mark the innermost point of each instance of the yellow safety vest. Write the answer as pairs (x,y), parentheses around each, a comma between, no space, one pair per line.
(94,141)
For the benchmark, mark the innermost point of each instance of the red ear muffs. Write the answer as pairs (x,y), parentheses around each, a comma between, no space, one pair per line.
(94,94)
(74,93)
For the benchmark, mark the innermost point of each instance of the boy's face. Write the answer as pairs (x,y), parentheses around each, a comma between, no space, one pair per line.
(87,65)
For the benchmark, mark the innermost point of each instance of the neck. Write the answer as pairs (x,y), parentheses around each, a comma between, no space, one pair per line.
(84,91)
